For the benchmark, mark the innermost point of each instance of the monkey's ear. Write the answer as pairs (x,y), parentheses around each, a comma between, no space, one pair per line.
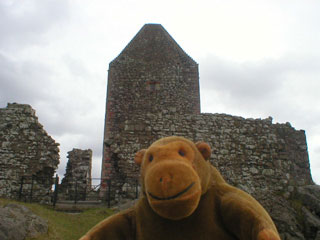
(204,149)
(139,156)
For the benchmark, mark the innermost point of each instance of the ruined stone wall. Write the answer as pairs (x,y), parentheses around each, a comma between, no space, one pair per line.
(77,179)
(26,150)
(243,149)
(269,161)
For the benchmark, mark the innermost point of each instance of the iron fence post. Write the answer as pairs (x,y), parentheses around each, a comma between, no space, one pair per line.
(31,190)
(55,193)
(109,191)
(21,187)
(76,193)
(85,190)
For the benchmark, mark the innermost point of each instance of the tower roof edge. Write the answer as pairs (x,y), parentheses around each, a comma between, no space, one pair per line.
(153,44)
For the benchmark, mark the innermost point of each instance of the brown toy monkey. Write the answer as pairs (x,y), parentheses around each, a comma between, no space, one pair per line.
(185,197)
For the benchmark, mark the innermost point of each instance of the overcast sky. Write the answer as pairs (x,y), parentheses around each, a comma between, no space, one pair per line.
(256,59)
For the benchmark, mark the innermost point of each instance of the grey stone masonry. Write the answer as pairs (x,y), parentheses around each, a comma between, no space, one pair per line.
(269,161)
(26,150)
(77,179)
(243,149)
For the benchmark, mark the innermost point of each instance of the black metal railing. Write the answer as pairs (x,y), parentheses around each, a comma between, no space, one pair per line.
(27,188)
(50,191)
(111,191)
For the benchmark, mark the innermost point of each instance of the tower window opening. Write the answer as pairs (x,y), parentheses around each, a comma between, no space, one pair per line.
(153,86)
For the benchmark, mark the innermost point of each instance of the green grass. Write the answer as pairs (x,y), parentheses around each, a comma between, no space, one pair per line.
(65,226)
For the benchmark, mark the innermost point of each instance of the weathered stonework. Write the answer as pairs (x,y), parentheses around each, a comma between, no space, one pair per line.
(26,150)
(270,161)
(77,179)
(239,145)
(151,74)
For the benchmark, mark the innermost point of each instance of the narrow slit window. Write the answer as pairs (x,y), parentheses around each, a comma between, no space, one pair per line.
(153,86)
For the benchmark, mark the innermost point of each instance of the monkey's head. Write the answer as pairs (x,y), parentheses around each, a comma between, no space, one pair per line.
(175,173)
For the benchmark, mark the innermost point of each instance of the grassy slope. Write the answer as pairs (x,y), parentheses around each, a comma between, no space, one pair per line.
(65,226)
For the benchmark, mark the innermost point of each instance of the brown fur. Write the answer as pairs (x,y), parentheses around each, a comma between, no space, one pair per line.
(185,197)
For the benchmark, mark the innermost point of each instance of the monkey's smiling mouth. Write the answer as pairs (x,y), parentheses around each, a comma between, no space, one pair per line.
(174,196)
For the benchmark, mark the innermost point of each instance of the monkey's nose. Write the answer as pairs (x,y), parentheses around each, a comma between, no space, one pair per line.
(165,180)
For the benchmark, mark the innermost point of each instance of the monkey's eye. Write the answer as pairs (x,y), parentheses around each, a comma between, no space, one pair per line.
(150,158)
(182,153)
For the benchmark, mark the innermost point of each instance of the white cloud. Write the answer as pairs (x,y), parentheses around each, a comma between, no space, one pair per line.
(25,23)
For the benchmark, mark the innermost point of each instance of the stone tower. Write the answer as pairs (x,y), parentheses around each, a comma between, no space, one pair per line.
(152,74)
